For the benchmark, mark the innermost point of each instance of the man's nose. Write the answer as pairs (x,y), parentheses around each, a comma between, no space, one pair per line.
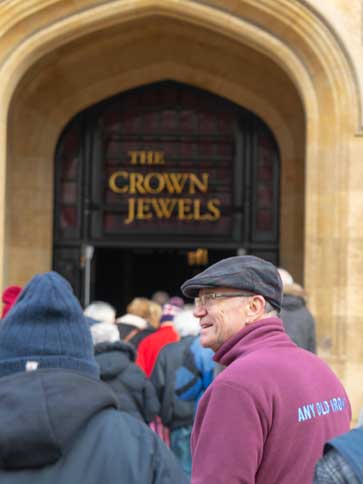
(199,311)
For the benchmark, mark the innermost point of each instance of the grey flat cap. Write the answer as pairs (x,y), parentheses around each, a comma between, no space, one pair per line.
(245,272)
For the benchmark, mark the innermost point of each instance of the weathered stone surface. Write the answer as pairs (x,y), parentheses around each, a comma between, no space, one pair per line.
(297,64)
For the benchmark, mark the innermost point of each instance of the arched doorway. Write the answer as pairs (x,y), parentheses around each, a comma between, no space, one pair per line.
(283,60)
(157,181)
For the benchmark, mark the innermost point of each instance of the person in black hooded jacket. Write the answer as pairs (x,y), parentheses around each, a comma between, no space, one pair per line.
(175,413)
(298,321)
(59,422)
(135,393)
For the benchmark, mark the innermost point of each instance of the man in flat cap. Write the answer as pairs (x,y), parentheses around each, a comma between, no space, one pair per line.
(267,415)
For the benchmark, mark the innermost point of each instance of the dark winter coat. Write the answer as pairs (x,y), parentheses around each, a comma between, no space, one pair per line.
(58,426)
(174,412)
(137,335)
(135,393)
(298,322)
(343,460)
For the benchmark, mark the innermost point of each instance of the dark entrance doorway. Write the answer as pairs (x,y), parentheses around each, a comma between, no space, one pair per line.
(122,274)
(146,176)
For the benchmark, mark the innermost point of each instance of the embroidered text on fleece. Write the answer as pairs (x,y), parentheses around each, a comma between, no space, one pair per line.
(266,417)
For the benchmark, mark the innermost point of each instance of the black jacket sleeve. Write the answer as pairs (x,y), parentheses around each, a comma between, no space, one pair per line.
(162,384)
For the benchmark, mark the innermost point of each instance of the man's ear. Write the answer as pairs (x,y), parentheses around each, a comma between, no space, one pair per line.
(256,307)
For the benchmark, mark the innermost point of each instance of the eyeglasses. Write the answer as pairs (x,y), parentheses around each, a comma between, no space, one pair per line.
(202,301)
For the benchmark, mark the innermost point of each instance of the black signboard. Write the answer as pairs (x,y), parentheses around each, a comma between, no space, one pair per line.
(149,190)
(172,164)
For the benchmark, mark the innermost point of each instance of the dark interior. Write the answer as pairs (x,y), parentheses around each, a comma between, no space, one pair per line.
(122,274)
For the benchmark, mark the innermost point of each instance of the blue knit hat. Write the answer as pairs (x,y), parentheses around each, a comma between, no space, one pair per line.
(46,328)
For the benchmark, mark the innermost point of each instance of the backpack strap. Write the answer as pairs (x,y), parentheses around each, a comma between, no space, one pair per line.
(131,334)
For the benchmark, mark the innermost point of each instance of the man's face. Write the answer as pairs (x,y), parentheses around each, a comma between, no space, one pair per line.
(220,318)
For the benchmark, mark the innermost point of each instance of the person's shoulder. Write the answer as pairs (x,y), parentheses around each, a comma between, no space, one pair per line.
(226,387)
(112,420)
(333,468)
(126,449)
(149,341)
(253,370)
(116,428)
(134,375)
(310,360)
(255,361)
(229,378)
(198,350)
(171,348)
(154,337)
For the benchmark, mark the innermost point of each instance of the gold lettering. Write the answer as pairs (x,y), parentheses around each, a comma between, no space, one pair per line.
(135,157)
(149,157)
(112,181)
(175,182)
(140,157)
(197,215)
(171,182)
(131,213)
(196,182)
(212,206)
(159,158)
(160,180)
(155,158)
(143,209)
(136,181)
(201,257)
(184,207)
(163,206)
(191,258)
(197,257)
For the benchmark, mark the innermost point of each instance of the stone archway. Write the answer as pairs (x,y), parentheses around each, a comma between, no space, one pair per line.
(49,72)
(77,77)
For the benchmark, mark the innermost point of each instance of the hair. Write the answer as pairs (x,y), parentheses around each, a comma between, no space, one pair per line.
(160,297)
(101,311)
(155,312)
(270,309)
(139,306)
(104,333)
(185,323)
(286,277)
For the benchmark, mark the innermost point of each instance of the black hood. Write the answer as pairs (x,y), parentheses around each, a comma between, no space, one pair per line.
(114,358)
(291,303)
(41,413)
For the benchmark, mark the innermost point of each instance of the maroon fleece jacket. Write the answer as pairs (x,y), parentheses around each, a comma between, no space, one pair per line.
(266,417)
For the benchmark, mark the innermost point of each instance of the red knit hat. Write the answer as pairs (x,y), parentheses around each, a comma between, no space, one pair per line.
(10,295)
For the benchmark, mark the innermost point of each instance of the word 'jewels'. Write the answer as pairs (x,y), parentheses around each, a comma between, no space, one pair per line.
(143,207)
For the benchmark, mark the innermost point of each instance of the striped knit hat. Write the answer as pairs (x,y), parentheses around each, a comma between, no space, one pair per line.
(171,309)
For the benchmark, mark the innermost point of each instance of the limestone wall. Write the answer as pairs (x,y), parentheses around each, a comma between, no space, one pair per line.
(297,64)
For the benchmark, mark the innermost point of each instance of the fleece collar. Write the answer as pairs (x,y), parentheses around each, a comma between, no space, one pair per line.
(265,333)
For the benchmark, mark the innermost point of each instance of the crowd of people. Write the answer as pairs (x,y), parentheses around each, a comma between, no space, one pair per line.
(227,390)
